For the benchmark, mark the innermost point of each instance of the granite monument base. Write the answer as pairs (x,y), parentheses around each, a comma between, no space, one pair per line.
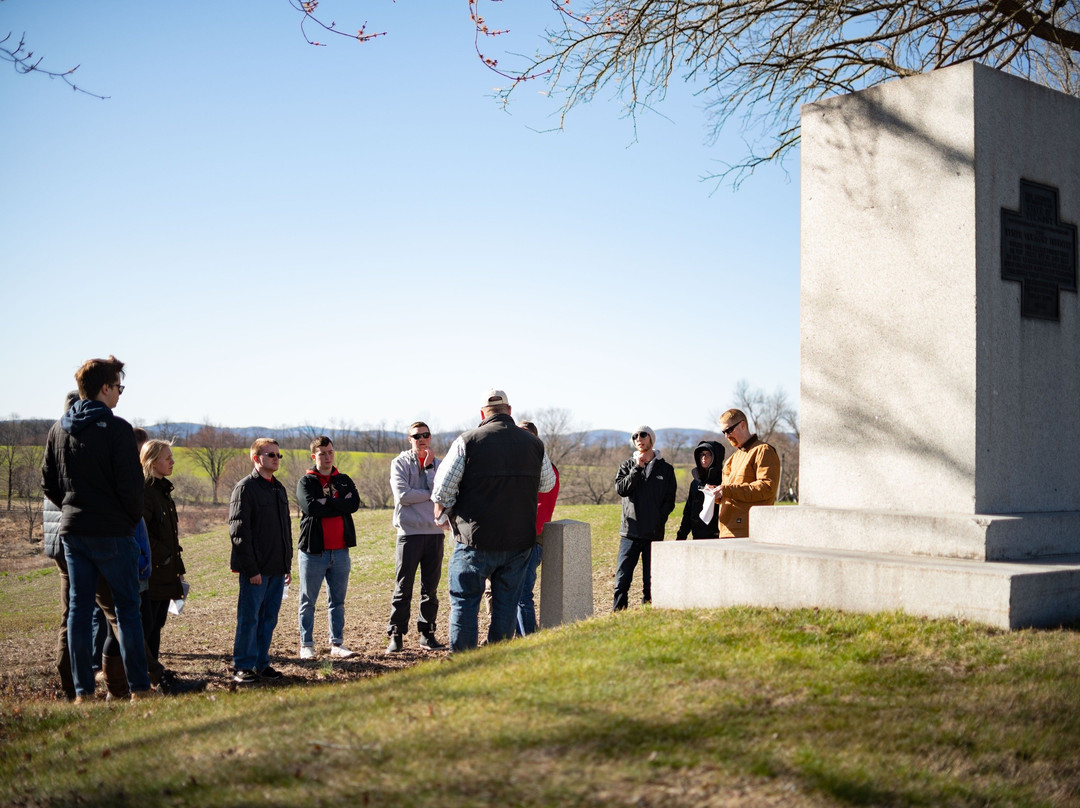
(1007,595)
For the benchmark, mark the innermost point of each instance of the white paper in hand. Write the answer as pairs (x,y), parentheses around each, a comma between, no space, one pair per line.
(710,504)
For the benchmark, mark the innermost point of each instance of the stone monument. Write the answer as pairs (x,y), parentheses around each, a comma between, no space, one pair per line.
(566,593)
(940,339)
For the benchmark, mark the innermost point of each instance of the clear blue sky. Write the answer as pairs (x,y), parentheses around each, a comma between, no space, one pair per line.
(270,233)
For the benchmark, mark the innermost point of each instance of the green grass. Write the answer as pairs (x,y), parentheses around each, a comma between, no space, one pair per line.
(648,707)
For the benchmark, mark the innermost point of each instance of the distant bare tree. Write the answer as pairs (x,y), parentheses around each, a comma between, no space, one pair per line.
(188,489)
(28,486)
(768,412)
(591,478)
(212,447)
(372,478)
(379,438)
(238,467)
(562,439)
(9,453)
(677,446)
(776,422)
(166,430)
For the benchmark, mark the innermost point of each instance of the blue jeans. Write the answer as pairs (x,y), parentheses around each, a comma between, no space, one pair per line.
(116,559)
(629,550)
(333,567)
(526,610)
(469,567)
(423,550)
(256,618)
(101,633)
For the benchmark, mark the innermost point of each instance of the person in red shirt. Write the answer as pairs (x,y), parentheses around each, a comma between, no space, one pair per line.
(545,506)
(328,499)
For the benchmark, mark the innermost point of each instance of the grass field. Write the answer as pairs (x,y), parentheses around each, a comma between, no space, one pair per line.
(644,708)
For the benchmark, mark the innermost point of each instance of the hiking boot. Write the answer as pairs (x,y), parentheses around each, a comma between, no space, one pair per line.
(395,644)
(428,641)
(341,652)
(307,652)
(271,674)
(245,677)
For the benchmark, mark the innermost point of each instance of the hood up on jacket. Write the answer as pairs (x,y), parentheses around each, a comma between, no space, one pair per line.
(711,475)
(82,414)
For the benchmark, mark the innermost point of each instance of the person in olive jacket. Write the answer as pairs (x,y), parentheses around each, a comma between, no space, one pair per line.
(327,499)
(646,483)
(162,524)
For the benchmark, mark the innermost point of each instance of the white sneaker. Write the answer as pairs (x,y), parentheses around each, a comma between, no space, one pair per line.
(341,652)
(306,652)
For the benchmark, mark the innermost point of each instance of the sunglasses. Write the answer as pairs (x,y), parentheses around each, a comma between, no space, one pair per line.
(420,436)
(731,428)
(637,435)
(272,454)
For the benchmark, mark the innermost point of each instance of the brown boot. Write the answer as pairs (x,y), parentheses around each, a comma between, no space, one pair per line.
(115,678)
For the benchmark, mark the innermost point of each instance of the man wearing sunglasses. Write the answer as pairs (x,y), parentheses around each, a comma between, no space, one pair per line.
(91,472)
(751,476)
(261,530)
(646,483)
(419,540)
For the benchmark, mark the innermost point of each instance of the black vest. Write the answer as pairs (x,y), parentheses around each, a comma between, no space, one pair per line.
(496,502)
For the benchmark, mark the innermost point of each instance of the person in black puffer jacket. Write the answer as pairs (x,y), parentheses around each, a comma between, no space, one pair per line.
(646,483)
(708,465)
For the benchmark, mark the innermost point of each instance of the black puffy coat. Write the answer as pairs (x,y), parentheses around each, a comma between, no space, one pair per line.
(691,521)
(646,501)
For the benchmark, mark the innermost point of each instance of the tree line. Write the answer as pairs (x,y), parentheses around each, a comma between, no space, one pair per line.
(587,465)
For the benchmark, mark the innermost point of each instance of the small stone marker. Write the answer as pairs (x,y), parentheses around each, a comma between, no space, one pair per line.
(566,592)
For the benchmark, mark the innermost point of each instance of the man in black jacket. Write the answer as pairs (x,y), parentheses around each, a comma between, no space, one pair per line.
(91,472)
(261,532)
(646,483)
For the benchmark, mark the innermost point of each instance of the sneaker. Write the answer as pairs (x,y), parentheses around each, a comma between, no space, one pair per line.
(270,673)
(341,652)
(428,641)
(395,644)
(245,677)
(307,652)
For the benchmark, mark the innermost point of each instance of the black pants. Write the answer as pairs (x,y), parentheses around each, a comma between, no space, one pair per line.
(426,552)
(154,615)
(629,551)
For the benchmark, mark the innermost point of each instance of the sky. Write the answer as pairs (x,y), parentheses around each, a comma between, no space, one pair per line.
(270,233)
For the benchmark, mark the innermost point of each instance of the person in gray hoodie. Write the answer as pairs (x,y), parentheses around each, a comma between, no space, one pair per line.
(419,540)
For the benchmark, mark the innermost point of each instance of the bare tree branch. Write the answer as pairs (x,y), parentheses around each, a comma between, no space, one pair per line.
(760,60)
(22,60)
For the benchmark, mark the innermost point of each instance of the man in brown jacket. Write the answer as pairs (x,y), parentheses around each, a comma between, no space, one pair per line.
(751,476)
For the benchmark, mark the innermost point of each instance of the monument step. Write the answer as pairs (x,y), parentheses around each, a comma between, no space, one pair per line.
(1008,595)
(977,537)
